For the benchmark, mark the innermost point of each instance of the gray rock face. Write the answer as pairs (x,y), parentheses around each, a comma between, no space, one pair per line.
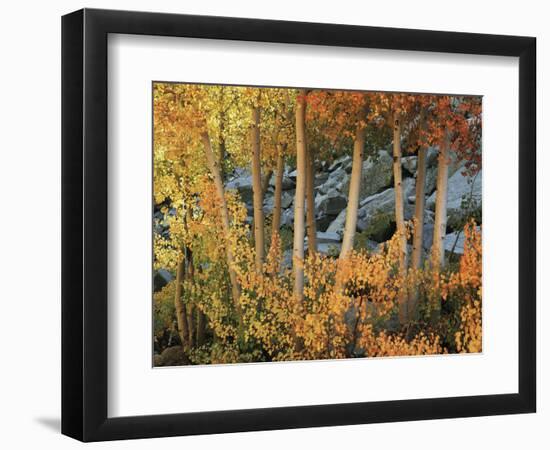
(327,243)
(431,157)
(320,178)
(377,174)
(287,218)
(292,175)
(431,179)
(323,222)
(286,199)
(338,224)
(428,236)
(408,163)
(385,200)
(328,237)
(341,162)
(269,202)
(376,215)
(242,182)
(288,183)
(335,182)
(330,204)
(327,248)
(459,187)
(377,212)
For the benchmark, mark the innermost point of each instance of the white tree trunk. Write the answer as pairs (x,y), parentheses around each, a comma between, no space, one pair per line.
(354,190)
(299,198)
(258,200)
(224,213)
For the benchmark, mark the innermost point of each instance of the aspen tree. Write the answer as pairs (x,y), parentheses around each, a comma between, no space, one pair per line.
(299,199)
(354,187)
(257,188)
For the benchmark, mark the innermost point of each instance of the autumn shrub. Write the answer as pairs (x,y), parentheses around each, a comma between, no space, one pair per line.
(349,306)
(465,286)
(267,303)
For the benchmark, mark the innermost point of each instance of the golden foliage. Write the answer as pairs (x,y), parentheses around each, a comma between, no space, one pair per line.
(466,283)
(349,305)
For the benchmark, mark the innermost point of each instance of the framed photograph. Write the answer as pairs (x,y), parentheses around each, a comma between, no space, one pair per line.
(273,225)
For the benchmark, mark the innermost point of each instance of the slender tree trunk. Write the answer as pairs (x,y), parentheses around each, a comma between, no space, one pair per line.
(299,199)
(440,225)
(354,190)
(257,189)
(420,201)
(399,215)
(181,313)
(276,221)
(224,213)
(310,205)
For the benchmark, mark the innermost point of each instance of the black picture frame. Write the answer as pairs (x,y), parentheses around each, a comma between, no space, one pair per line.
(84,224)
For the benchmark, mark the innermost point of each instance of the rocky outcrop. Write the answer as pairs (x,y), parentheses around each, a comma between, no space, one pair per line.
(376,215)
(172,356)
(242,182)
(463,197)
(376,175)
(330,204)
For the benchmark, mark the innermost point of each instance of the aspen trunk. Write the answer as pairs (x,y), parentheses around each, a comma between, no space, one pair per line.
(257,189)
(299,199)
(440,225)
(310,205)
(399,215)
(224,213)
(354,190)
(420,201)
(181,313)
(276,221)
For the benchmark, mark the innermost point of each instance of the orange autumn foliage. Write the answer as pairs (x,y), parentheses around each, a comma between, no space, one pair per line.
(349,305)
(466,283)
